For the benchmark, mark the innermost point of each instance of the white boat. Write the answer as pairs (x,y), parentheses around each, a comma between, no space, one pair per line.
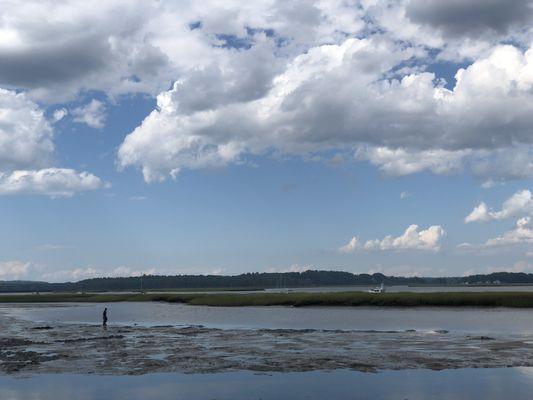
(379,289)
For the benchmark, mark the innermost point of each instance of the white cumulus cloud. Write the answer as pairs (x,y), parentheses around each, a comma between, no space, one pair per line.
(521,234)
(345,96)
(25,134)
(27,152)
(351,246)
(295,78)
(404,195)
(92,114)
(14,270)
(52,182)
(519,203)
(59,114)
(412,239)
(57,50)
(400,162)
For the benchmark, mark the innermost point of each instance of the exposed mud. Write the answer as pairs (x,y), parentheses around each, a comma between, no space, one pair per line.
(74,348)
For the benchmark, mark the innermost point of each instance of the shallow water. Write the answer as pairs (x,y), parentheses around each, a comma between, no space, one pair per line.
(464,384)
(478,320)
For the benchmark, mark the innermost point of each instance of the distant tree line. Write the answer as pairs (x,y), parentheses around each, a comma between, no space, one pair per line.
(258,280)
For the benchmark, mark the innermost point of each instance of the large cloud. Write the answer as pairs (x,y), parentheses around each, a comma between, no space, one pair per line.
(290,78)
(412,239)
(290,115)
(343,97)
(58,49)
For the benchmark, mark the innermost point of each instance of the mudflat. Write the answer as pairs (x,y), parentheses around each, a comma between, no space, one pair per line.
(28,348)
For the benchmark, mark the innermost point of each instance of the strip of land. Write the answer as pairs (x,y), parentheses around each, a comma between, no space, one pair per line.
(347,299)
(263,280)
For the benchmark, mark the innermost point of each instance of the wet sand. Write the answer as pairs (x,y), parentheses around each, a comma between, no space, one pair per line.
(28,348)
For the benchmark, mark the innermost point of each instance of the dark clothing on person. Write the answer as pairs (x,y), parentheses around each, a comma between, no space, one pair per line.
(104,317)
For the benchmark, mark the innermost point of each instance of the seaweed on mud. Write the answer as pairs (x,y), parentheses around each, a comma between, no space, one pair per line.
(87,339)
(14,342)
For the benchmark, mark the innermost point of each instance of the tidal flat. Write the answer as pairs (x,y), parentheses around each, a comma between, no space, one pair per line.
(40,339)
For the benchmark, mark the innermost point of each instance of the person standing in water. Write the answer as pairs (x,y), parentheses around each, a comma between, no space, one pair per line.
(104,318)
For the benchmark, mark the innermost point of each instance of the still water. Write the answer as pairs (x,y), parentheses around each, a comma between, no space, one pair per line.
(493,320)
(465,384)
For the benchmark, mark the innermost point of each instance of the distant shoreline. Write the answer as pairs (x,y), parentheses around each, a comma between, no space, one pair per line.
(262,280)
(295,299)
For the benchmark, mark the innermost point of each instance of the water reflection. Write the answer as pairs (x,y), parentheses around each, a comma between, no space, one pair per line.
(515,383)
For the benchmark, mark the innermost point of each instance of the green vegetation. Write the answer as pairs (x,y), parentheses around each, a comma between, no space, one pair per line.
(441,299)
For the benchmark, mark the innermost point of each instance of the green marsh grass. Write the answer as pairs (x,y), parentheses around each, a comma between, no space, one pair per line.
(301,299)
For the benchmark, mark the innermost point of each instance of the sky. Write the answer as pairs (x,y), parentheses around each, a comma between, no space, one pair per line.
(222,137)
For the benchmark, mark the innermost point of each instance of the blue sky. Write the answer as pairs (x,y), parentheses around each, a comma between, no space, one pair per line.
(342,139)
